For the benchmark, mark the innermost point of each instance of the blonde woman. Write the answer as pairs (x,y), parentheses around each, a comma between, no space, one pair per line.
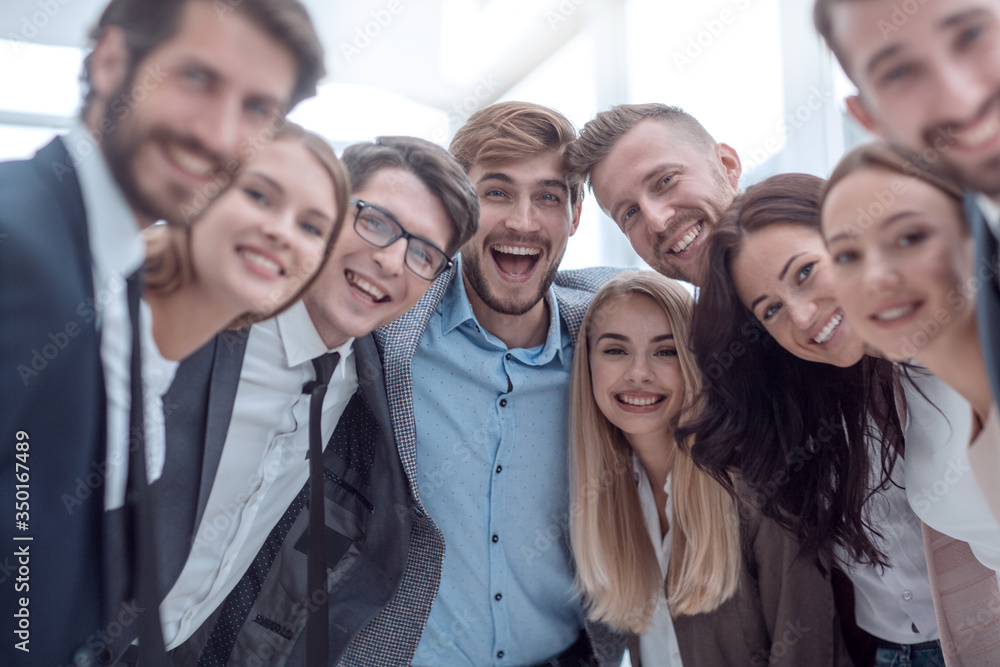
(662,550)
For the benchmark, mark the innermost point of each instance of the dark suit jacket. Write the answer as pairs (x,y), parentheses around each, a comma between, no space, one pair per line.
(53,396)
(368,509)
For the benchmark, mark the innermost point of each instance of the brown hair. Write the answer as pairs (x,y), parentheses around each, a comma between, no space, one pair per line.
(168,247)
(433,165)
(823,21)
(602,132)
(512,131)
(148,24)
(895,158)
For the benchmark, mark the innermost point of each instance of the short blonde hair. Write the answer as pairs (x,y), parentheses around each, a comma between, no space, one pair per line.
(617,567)
(514,131)
(168,247)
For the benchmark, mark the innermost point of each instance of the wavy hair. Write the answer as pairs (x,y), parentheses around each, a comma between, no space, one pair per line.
(797,432)
(617,567)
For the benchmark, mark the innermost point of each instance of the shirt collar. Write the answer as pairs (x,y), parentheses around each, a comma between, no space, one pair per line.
(302,343)
(456,310)
(990,213)
(116,245)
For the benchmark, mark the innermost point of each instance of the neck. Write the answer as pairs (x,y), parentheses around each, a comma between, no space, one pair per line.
(656,453)
(958,361)
(516,331)
(185,320)
(331,335)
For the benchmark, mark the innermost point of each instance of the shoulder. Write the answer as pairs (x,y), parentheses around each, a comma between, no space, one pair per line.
(404,333)
(575,289)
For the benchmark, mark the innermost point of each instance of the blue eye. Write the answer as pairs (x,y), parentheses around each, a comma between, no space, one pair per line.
(196,76)
(614,351)
(970,35)
(845,257)
(911,239)
(629,213)
(667,180)
(257,196)
(310,228)
(667,352)
(771,311)
(550,197)
(805,271)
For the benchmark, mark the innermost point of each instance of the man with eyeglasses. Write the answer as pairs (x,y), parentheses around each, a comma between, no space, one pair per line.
(243,595)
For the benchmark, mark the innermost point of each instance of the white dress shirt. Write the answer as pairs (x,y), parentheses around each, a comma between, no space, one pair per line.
(116,250)
(939,481)
(894,603)
(658,645)
(264,463)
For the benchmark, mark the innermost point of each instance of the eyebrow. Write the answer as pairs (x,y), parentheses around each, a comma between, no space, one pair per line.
(626,339)
(948,23)
(650,175)
(504,178)
(277,186)
(888,222)
(781,276)
(753,305)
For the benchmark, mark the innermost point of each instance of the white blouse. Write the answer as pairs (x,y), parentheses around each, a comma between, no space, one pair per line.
(658,645)
(939,481)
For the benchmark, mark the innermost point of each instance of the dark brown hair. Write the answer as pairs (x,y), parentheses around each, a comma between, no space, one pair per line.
(603,131)
(797,432)
(514,131)
(168,247)
(149,23)
(433,165)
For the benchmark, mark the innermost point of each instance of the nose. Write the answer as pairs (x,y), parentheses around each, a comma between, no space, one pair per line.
(392,257)
(218,126)
(638,369)
(961,91)
(880,277)
(659,216)
(521,217)
(802,312)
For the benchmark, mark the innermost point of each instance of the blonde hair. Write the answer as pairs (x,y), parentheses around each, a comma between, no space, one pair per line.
(515,131)
(617,567)
(168,247)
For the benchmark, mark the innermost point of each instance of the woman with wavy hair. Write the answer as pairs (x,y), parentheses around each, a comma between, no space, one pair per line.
(797,408)
(642,512)
(248,255)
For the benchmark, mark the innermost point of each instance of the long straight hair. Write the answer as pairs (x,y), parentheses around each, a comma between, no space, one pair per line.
(617,567)
(797,432)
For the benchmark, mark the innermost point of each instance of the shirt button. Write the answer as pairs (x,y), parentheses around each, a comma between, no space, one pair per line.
(907,595)
(496,538)
(498,597)
(503,402)
(507,356)
(499,654)
(499,468)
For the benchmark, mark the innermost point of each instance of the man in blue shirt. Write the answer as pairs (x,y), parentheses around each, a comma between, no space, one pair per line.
(482,431)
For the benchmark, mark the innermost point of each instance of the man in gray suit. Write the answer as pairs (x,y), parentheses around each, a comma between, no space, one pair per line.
(243,595)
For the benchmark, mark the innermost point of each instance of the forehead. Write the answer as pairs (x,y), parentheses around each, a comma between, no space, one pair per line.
(407,199)
(639,152)
(233,45)
(766,252)
(528,171)
(864,29)
(872,194)
(629,312)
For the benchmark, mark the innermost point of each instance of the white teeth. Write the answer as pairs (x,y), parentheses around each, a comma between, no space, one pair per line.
(633,400)
(196,164)
(375,293)
(979,135)
(688,239)
(516,250)
(261,261)
(828,330)
(895,313)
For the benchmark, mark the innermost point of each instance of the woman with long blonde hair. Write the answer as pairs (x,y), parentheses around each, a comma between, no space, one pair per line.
(662,550)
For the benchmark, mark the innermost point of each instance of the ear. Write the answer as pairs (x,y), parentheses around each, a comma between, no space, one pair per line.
(856,107)
(108,63)
(732,168)
(576,216)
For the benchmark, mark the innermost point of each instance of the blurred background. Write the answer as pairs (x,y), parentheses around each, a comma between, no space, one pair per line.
(753,72)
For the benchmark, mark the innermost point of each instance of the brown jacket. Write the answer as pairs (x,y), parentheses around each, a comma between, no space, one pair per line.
(783,614)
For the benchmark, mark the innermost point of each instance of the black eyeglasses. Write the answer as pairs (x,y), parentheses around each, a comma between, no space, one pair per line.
(378,227)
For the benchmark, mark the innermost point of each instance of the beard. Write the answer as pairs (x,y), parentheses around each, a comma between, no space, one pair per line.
(520,303)
(710,213)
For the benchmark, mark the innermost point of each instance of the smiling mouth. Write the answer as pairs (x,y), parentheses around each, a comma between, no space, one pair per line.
(192,162)
(826,333)
(688,239)
(893,314)
(515,261)
(640,401)
(263,262)
(365,287)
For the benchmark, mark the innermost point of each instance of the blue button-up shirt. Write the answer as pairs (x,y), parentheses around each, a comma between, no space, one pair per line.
(492,473)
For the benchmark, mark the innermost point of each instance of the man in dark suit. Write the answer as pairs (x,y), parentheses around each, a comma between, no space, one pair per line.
(930,80)
(179,95)
(243,593)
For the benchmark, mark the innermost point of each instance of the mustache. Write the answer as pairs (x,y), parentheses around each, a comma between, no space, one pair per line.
(517,238)
(188,142)
(946,129)
(680,221)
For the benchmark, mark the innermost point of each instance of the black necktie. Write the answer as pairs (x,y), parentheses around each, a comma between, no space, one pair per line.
(139,503)
(317,644)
